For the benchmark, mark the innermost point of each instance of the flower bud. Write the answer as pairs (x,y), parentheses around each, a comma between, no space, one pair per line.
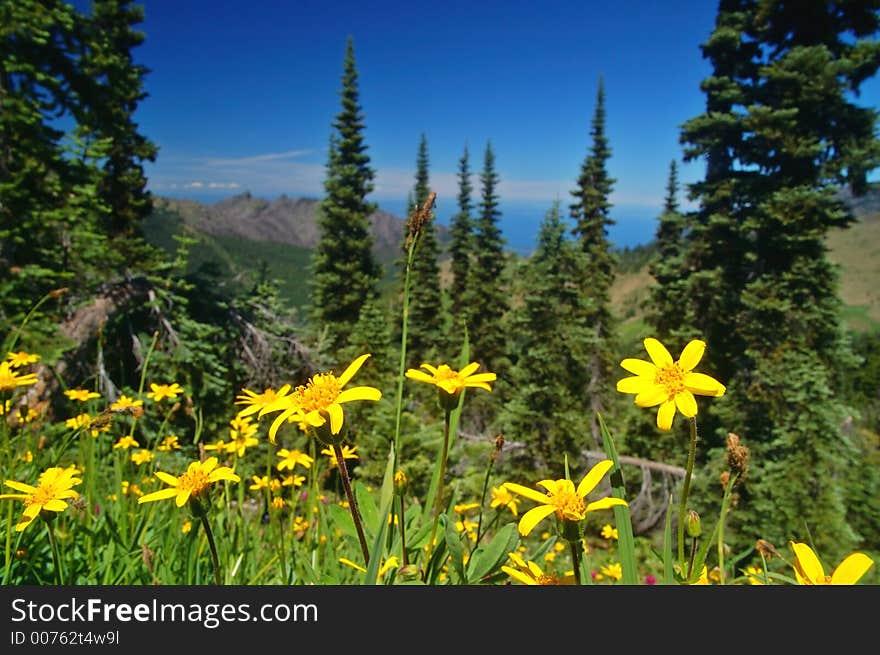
(693,524)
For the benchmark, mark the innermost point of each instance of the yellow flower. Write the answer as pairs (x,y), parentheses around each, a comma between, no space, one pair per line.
(125,403)
(290,458)
(461,508)
(293,481)
(160,391)
(384,567)
(21,358)
(260,482)
(501,497)
(609,532)
(347,453)
(9,379)
(809,571)
(169,443)
(755,575)
(667,383)
(277,502)
(300,524)
(242,436)
(613,570)
(81,394)
(529,573)
(468,527)
(450,382)
(197,479)
(219,446)
(125,443)
(142,457)
(54,487)
(186,527)
(257,401)
(563,499)
(78,421)
(320,400)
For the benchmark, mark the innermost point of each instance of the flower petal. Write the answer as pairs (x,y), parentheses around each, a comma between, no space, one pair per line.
(531,494)
(703,385)
(639,367)
(359,393)
(658,353)
(665,415)
(519,576)
(223,473)
(534,516)
(851,569)
(273,429)
(20,486)
(808,569)
(605,503)
(166,478)
(162,494)
(654,395)
(467,370)
(182,496)
(55,505)
(686,403)
(419,376)
(336,417)
(691,355)
(635,384)
(353,368)
(592,478)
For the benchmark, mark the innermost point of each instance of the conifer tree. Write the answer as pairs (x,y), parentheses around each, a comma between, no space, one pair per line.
(115,88)
(666,294)
(550,349)
(590,211)
(344,271)
(781,134)
(425,325)
(461,231)
(486,286)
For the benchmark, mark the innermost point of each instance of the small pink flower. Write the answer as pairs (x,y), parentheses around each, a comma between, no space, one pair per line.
(650,579)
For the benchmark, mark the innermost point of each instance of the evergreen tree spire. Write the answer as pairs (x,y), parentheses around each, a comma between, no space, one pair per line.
(590,211)
(344,271)
(485,280)
(461,247)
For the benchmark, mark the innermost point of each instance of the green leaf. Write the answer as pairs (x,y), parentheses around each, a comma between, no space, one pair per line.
(367,506)
(485,560)
(342,518)
(623,521)
(668,568)
(453,544)
(386,497)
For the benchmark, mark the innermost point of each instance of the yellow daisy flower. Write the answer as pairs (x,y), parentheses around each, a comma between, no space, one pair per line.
(125,443)
(529,573)
(609,532)
(501,497)
(125,403)
(81,395)
(54,487)
(256,401)
(169,443)
(9,379)
(670,384)
(260,482)
(142,456)
(613,570)
(290,458)
(347,453)
(563,499)
(809,571)
(159,391)
(450,382)
(21,358)
(193,483)
(320,401)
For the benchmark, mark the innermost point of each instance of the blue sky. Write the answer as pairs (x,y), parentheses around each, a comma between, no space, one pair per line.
(242,95)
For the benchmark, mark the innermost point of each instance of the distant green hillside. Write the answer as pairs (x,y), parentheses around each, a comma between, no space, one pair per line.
(235,261)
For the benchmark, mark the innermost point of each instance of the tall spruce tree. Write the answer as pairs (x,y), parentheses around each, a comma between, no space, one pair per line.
(486,286)
(461,246)
(667,296)
(425,324)
(344,271)
(550,349)
(116,89)
(590,211)
(781,134)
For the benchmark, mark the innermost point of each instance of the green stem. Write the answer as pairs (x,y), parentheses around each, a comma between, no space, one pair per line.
(352,503)
(214,559)
(483,496)
(682,506)
(59,578)
(403,533)
(438,500)
(693,555)
(403,336)
(576,561)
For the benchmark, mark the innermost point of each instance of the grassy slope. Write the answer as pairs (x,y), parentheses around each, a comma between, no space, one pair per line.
(855,250)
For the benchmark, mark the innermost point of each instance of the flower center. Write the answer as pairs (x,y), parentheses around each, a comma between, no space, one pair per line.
(42,495)
(671,377)
(193,481)
(444,372)
(322,390)
(568,504)
(545,579)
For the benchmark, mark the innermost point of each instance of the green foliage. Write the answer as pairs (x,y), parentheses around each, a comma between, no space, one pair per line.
(461,248)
